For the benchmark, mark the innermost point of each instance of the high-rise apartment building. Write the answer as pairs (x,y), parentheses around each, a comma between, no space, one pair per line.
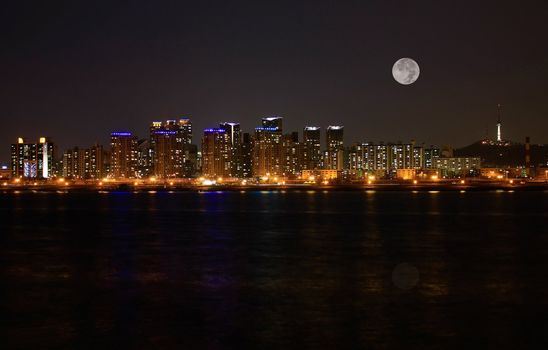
(214,153)
(84,163)
(312,152)
(401,156)
(381,158)
(418,157)
(292,154)
(268,148)
(171,153)
(123,161)
(233,152)
(247,156)
(430,156)
(167,154)
(33,160)
(335,148)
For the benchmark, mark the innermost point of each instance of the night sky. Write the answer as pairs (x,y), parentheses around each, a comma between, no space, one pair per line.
(77,70)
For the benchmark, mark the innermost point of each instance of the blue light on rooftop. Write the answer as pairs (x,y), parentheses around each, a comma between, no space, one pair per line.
(120,134)
(165,132)
(266,129)
(214,130)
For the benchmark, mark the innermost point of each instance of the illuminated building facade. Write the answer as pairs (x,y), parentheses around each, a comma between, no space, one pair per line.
(381,158)
(167,154)
(292,154)
(214,153)
(233,151)
(171,153)
(33,160)
(418,157)
(401,156)
(247,156)
(73,163)
(458,166)
(145,166)
(84,163)
(430,156)
(268,148)
(320,174)
(335,147)
(123,158)
(355,161)
(312,153)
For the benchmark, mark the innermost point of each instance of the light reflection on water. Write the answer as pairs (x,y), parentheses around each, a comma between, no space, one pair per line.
(260,269)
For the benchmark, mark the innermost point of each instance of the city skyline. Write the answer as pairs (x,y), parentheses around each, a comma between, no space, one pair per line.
(269,150)
(492,132)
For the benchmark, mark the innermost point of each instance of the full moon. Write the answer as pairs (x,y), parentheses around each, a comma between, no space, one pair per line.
(406,71)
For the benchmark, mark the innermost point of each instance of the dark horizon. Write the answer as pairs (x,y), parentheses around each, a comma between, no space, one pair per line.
(76,72)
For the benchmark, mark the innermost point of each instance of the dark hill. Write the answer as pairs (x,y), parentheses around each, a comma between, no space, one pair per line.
(499,155)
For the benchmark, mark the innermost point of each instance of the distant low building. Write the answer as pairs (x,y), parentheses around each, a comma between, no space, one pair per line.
(323,174)
(500,173)
(406,174)
(458,166)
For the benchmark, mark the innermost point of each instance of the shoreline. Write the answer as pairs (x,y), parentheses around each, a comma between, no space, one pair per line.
(381,187)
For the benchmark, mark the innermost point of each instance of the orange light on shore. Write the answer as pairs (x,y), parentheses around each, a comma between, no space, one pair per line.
(152,179)
(462,182)
(414,182)
(61,180)
(100,183)
(5,184)
(17,180)
(369,182)
(434,177)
